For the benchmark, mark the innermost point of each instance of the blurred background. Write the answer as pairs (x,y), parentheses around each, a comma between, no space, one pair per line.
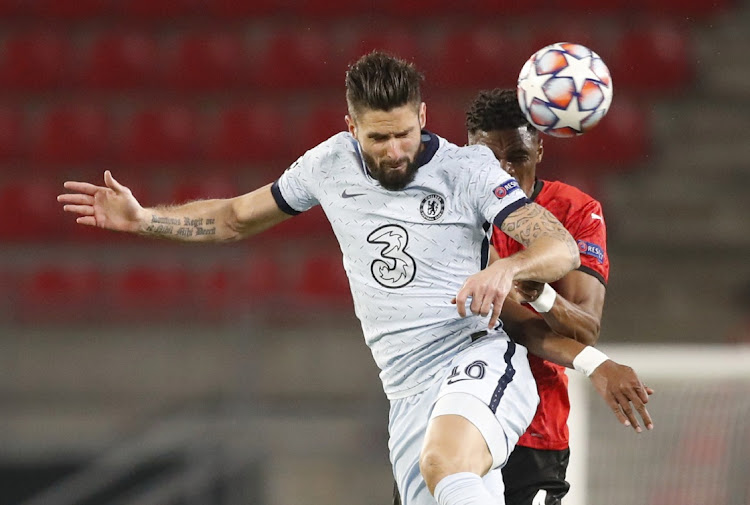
(137,372)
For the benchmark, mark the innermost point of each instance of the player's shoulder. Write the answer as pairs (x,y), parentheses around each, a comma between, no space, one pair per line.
(560,191)
(464,159)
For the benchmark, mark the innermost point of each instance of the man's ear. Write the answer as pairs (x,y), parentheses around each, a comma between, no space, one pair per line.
(422,115)
(540,150)
(351,125)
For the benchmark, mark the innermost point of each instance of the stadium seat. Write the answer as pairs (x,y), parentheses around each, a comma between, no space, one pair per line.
(621,138)
(252,132)
(121,61)
(447,118)
(203,188)
(148,10)
(476,58)
(152,292)
(166,134)
(207,62)
(322,120)
(70,11)
(327,9)
(61,294)
(297,59)
(35,60)
(323,281)
(240,9)
(37,214)
(653,59)
(401,42)
(686,8)
(13,136)
(73,134)
(259,279)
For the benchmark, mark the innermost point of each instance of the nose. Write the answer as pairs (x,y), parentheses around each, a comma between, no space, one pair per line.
(394,150)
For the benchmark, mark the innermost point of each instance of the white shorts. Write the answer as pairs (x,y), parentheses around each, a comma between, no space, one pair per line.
(490,384)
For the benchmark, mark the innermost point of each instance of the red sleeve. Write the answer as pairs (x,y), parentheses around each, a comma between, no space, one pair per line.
(591,236)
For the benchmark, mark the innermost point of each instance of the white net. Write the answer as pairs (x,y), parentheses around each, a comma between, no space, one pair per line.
(699,451)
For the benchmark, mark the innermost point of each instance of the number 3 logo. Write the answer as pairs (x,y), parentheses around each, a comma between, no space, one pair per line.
(395,268)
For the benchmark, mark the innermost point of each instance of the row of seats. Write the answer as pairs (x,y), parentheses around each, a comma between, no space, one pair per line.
(262,132)
(238,9)
(654,57)
(153,291)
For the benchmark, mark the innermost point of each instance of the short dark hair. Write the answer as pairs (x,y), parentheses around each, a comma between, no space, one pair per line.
(496,109)
(379,81)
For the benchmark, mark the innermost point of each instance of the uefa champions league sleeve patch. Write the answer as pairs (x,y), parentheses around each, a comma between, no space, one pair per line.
(591,249)
(506,188)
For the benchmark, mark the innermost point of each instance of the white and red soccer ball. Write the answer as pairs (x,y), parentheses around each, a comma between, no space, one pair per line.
(564,89)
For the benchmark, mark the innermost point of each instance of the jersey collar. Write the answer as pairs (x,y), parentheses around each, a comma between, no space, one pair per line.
(538,185)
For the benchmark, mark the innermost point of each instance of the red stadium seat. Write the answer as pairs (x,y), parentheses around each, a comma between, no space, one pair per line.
(33,61)
(123,60)
(260,279)
(39,217)
(73,134)
(207,61)
(401,42)
(653,59)
(160,135)
(204,188)
(61,294)
(239,9)
(254,132)
(148,10)
(321,121)
(327,9)
(687,8)
(447,118)
(153,292)
(295,59)
(476,58)
(323,281)
(13,136)
(80,9)
(620,138)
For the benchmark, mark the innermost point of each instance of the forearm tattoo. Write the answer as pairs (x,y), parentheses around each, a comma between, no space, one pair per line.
(532,221)
(180,228)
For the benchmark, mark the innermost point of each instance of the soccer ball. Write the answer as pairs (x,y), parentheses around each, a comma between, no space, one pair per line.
(564,89)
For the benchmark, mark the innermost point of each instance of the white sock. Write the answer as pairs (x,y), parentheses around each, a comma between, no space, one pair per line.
(463,488)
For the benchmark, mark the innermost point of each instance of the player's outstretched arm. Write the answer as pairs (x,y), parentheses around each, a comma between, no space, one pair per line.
(114,207)
(617,384)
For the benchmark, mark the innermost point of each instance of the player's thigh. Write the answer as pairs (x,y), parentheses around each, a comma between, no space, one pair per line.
(535,476)
(490,384)
(406,427)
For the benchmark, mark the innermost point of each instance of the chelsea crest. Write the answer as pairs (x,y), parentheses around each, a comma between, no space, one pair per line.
(432,207)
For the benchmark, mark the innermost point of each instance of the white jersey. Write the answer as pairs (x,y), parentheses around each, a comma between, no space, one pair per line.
(407,253)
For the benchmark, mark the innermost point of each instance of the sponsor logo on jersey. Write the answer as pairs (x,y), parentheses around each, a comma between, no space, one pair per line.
(432,207)
(345,194)
(591,249)
(506,188)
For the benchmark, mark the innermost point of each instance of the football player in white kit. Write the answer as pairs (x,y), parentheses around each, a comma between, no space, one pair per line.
(411,213)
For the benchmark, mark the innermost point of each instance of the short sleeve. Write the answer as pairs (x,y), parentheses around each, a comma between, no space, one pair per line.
(295,191)
(498,194)
(591,238)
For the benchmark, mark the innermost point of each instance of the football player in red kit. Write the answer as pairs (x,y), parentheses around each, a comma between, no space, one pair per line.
(572,306)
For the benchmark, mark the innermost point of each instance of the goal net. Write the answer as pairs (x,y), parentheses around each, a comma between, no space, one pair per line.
(699,450)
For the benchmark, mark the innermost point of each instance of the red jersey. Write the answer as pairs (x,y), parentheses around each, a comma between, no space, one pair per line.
(582,217)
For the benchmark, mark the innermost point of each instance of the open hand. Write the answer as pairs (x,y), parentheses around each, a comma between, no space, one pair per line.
(112,206)
(624,393)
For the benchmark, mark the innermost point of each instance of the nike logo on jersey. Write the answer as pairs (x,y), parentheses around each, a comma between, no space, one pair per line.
(597,216)
(344,194)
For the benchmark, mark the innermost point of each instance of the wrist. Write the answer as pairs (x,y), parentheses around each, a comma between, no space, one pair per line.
(545,300)
(588,360)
